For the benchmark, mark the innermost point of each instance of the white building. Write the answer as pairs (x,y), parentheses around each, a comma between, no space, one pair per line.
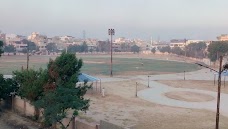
(193,41)
(177,43)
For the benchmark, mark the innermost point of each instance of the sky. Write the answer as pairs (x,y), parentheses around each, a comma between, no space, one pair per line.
(159,19)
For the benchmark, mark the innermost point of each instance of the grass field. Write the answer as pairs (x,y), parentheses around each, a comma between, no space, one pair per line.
(100,64)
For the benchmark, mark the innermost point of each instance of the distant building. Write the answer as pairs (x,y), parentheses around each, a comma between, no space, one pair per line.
(37,38)
(177,43)
(157,46)
(66,38)
(20,46)
(223,37)
(193,41)
(13,38)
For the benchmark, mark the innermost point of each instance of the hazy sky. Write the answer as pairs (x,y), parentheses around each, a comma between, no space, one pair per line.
(192,19)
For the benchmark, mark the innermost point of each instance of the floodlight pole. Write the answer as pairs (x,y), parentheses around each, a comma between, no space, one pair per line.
(111,32)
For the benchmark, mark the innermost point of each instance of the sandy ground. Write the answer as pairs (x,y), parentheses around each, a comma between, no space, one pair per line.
(189,96)
(9,120)
(121,107)
(196,84)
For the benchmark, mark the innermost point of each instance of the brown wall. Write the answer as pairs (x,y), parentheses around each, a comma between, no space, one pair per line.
(23,107)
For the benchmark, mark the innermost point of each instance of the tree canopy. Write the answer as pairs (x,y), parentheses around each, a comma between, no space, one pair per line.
(78,48)
(9,48)
(165,49)
(52,47)
(135,49)
(1,47)
(7,86)
(217,48)
(196,50)
(153,50)
(177,50)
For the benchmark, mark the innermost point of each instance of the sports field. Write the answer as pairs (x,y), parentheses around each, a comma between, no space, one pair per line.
(100,64)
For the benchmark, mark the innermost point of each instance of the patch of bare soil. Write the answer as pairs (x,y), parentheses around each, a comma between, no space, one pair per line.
(196,84)
(189,96)
(14,121)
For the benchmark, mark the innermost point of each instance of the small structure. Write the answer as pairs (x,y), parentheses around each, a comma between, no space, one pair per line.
(90,79)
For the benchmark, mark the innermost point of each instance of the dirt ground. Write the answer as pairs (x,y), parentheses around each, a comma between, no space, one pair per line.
(189,96)
(9,120)
(196,84)
(120,106)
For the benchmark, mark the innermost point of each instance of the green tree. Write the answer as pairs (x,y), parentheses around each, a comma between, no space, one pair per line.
(177,50)
(84,47)
(52,47)
(31,46)
(31,84)
(165,49)
(196,50)
(135,48)
(153,50)
(1,48)
(216,48)
(7,86)
(9,48)
(91,50)
(61,94)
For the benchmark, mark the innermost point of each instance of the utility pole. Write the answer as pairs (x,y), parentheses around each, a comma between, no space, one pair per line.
(111,32)
(219,90)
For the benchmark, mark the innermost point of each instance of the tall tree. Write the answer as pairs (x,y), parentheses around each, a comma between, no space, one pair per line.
(1,48)
(196,50)
(177,50)
(135,48)
(84,47)
(153,50)
(31,45)
(9,48)
(216,48)
(165,49)
(61,94)
(52,47)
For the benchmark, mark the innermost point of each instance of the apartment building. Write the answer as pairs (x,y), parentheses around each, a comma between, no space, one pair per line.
(37,38)
(223,37)
(177,43)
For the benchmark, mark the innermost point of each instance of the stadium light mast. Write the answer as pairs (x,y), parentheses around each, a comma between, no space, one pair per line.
(111,32)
